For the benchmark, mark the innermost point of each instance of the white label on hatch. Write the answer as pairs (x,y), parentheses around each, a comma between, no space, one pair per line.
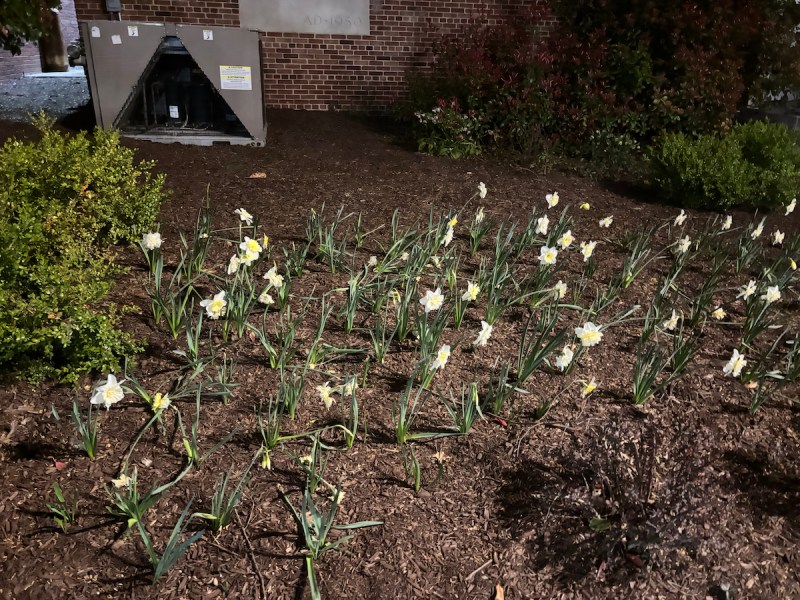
(115,39)
(208,35)
(173,112)
(235,78)
(95,32)
(133,31)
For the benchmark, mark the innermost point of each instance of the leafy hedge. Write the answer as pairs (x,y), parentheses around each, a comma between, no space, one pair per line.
(756,164)
(64,201)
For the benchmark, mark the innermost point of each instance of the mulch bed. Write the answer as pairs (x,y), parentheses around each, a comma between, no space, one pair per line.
(696,493)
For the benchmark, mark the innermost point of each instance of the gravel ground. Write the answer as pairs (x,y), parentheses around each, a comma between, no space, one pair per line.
(59,97)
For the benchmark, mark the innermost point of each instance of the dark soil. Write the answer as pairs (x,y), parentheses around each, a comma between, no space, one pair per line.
(682,497)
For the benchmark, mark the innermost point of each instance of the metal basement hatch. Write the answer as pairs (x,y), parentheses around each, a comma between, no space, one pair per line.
(166,82)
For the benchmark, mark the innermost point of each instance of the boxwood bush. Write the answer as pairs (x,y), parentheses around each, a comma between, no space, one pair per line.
(64,202)
(756,164)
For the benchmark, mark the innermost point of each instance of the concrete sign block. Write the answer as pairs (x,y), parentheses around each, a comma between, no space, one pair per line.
(306,16)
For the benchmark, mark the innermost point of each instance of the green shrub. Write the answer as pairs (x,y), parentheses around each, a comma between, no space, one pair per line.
(756,164)
(63,202)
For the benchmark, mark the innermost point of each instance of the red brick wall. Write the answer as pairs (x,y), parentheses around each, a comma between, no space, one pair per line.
(322,72)
(14,67)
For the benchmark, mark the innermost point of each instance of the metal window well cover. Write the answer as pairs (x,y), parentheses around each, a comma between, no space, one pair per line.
(119,53)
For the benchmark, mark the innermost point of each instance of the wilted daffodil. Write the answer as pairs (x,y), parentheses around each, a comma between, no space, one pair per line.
(682,245)
(585,206)
(589,387)
(432,300)
(606,222)
(216,306)
(484,335)
(560,289)
(777,237)
(108,392)
(552,199)
(719,313)
(747,290)
(542,223)
(791,206)
(680,219)
(758,230)
(326,394)
(244,216)
(233,264)
(482,190)
(726,224)
(671,323)
(564,359)
(275,279)
(773,294)
(589,334)
(479,216)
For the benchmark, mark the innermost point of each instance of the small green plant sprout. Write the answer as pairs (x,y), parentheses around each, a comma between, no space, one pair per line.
(223,504)
(315,526)
(190,440)
(765,372)
(86,428)
(174,548)
(128,504)
(539,340)
(291,386)
(170,301)
(151,248)
(466,411)
(63,511)
(639,246)
(749,250)
(499,389)
(382,334)
(650,362)
(405,410)
(313,465)
(350,425)
(411,466)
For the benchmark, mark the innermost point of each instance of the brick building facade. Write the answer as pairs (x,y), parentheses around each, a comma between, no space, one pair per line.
(333,72)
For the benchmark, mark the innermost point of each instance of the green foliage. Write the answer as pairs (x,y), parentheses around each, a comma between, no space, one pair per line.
(21,20)
(63,202)
(756,164)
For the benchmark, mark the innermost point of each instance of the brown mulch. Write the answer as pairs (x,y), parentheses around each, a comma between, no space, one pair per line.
(695,493)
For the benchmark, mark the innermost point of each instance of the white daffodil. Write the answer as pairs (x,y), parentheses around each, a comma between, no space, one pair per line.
(726,224)
(589,334)
(547,256)
(719,313)
(671,323)
(404,256)
(682,245)
(560,289)
(482,190)
(161,402)
(606,222)
(479,216)
(250,245)
(441,357)
(436,262)
(448,237)
(326,394)
(432,300)
(735,365)
(394,297)
(564,359)
(108,392)
(747,290)
(274,278)
(484,335)
(248,258)
(777,237)
(773,294)
(566,240)
(244,216)
(542,223)
(216,306)
(266,299)
(680,219)
(585,206)
(372,262)
(472,292)
(349,387)
(233,264)
(587,248)
(552,199)
(758,230)
(123,481)
(151,241)
(589,387)
(791,206)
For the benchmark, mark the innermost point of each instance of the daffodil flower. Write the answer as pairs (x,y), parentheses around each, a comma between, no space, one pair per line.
(587,248)
(680,219)
(790,207)
(216,306)
(792,264)
(250,245)
(484,335)
(726,224)
(479,216)
(671,323)
(432,300)
(564,359)
(373,261)
(542,223)
(108,392)
(275,279)
(552,199)
(452,222)
(244,216)
(151,241)
(566,240)
(233,264)
(589,334)
(547,256)
(265,298)
(758,230)
(589,387)
(161,402)
(606,222)
(747,290)
(777,237)
(265,241)
(326,394)
(123,481)
(585,206)
(472,292)
(560,289)
(735,365)
(441,357)
(719,313)
(448,237)
(773,294)
(682,245)
(248,258)
(482,190)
